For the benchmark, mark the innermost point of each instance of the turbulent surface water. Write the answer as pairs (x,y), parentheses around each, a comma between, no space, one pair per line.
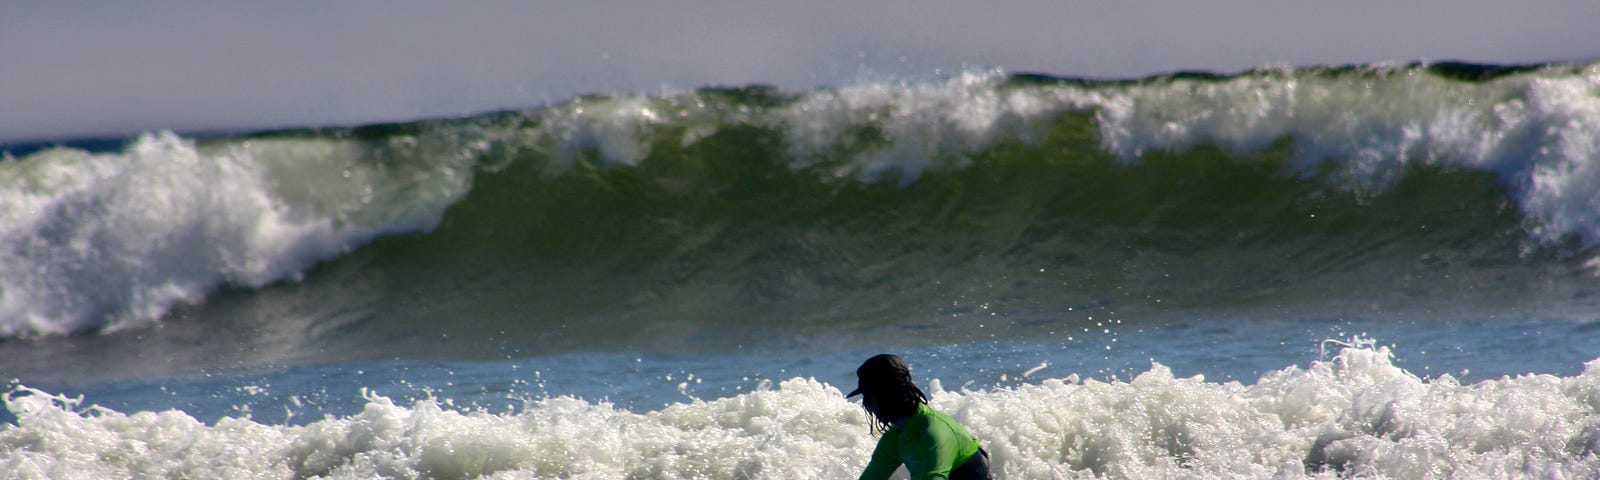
(1353,415)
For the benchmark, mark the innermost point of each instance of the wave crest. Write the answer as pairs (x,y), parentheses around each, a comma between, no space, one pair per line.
(98,241)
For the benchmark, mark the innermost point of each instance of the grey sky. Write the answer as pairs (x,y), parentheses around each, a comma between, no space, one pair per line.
(75,68)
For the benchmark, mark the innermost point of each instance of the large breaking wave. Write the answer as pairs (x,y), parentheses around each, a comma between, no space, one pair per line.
(1381,185)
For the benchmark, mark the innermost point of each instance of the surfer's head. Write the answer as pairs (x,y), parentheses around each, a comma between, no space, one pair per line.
(886,389)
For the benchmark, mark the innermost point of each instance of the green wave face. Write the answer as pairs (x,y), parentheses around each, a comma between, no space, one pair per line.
(984,199)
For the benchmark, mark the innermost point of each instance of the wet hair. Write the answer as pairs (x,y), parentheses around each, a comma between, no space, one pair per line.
(887,391)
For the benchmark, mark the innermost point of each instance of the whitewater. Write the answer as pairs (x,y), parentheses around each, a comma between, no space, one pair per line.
(1353,415)
(1373,271)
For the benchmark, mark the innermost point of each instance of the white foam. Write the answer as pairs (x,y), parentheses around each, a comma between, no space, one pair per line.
(923,126)
(110,240)
(1538,131)
(1357,413)
(616,128)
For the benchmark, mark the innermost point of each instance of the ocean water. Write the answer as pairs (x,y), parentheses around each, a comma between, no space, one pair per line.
(1378,271)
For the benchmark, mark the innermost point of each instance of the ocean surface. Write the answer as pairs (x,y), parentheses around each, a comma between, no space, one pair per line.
(1373,271)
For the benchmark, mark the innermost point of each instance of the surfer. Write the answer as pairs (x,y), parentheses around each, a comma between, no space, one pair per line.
(929,443)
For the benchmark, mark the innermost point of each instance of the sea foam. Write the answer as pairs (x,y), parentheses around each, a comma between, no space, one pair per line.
(1355,414)
(106,240)
(1538,131)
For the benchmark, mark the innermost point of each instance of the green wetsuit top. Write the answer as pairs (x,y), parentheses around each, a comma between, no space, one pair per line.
(929,443)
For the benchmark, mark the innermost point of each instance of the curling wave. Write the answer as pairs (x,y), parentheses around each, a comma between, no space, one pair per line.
(1381,184)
